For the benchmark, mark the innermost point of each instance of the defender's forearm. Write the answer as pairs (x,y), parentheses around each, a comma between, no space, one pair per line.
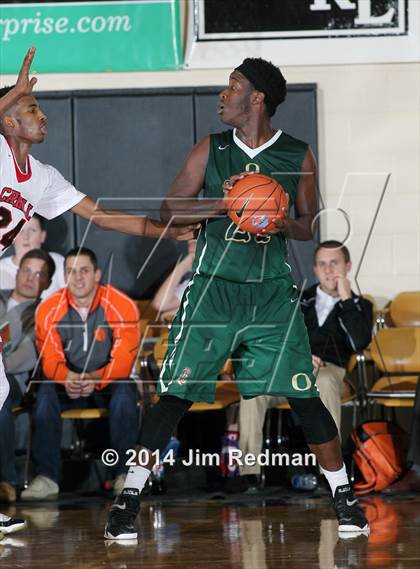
(191,210)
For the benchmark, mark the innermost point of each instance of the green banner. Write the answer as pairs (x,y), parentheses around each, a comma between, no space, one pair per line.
(73,37)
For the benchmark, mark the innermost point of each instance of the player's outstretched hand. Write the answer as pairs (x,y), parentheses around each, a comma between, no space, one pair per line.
(24,85)
(185,233)
(180,233)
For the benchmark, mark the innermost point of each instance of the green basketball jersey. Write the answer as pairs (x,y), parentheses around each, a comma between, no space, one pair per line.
(223,250)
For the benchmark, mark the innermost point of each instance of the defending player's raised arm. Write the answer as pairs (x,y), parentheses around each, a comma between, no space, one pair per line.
(23,85)
(126,223)
(182,204)
(300,228)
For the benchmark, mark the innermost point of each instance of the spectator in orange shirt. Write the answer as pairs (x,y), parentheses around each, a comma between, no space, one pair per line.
(87,336)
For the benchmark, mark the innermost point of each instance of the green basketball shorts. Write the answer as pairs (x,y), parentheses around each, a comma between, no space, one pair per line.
(260,326)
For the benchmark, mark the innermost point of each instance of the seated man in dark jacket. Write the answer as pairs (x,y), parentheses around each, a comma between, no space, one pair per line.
(339,323)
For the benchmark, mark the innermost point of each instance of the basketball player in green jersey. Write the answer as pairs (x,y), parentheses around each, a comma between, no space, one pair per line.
(241,301)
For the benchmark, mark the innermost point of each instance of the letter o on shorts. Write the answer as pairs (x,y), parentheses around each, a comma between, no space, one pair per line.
(295,380)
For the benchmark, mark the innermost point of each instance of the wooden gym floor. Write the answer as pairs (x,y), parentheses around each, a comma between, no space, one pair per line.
(269,530)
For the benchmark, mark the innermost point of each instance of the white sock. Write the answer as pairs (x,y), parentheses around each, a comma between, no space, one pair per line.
(136,477)
(336,478)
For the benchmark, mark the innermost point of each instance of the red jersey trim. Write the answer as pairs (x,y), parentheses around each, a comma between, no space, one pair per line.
(21,176)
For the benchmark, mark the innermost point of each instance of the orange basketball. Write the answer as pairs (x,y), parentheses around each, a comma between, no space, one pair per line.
(255,200)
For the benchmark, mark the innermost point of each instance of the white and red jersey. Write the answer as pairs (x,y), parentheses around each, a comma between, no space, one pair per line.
(40,189)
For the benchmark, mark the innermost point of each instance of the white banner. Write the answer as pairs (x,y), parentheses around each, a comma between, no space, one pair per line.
(302,32)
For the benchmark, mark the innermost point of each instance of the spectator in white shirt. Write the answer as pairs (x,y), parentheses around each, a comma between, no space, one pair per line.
(32,236)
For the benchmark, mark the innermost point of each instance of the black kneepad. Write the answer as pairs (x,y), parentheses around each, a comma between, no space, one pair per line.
(161,421)
(317,424)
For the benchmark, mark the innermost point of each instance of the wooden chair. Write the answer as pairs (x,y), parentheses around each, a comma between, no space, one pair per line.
(405,309)
(396,353)
(395,391)
(80,414)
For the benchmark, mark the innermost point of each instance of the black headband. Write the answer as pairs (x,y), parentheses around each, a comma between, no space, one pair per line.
(267,78)
(256,76)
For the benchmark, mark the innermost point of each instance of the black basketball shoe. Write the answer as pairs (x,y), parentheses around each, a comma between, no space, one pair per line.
(350,517)
(122,515)
(10,525)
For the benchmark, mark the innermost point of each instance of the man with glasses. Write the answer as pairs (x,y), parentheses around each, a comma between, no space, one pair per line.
(17,325)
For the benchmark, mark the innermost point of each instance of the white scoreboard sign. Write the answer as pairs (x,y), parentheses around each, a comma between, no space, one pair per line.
(303,32)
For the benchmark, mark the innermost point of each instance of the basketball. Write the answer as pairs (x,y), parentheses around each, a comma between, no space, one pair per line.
(255,200)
